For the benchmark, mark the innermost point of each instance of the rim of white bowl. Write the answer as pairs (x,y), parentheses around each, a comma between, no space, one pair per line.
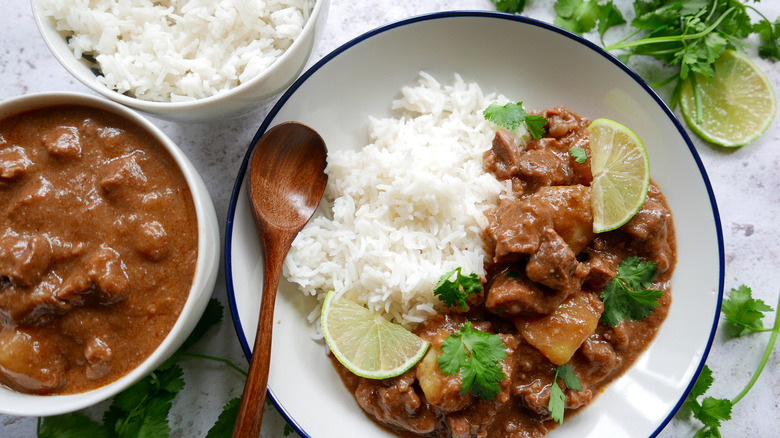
(443,15)
(152,106)
(207,263)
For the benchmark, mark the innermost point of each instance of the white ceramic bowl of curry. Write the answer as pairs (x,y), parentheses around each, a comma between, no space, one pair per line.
(108,251)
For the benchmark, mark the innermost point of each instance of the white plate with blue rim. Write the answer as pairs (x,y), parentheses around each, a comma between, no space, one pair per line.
(362,78)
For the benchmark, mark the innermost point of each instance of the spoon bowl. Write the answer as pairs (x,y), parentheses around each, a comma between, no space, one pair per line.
(286,182)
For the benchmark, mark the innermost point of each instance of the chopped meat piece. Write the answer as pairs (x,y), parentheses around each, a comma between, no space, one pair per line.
(651,226)
(151,240)
(24,258)
(555,265)
(501,159)
(121,175)
(108,272)
(545,167)
(395,403)
(601,357)
(98,354)
(63,142)
(512,293)
(515,227)
(13,163)
(602,269)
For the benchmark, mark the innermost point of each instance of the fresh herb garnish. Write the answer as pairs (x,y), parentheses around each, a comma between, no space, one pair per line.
(454,292)
(579,154)
(142,409)
(511,6)
(557,404)
(582,16)
(627,297)
(742,311)
(513,115)
(688,36)
(477,356)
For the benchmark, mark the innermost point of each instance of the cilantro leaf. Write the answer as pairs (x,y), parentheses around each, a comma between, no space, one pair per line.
(511,6)
(637,273)
(455,292)
(565,373)
(626,296)
(710,411)
(226,421)
(579,154)
(288,430)
(73,425)
(713,411)
(580,16)
(477,355)
(557,404)
(513,115)
(535,125)
(769,32)
(743,313)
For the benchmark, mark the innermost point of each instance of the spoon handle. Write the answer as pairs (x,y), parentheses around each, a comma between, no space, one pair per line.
(276,244)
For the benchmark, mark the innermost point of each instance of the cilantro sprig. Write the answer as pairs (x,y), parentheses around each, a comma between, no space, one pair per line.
(454,292)
(743,315)
(687,36)
(477,356)
(557,404)
(142,409)
(579,154)
(628,296)
(513,115)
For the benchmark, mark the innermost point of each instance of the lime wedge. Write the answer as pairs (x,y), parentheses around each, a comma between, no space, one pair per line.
(737,104)
(621,174)
(366,343)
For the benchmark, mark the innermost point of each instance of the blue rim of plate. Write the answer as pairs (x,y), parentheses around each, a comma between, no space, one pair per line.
(450,14)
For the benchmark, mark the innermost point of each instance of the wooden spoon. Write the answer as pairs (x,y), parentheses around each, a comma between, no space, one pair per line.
(286,182)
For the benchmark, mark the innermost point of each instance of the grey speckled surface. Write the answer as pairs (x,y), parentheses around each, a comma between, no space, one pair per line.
(746,182)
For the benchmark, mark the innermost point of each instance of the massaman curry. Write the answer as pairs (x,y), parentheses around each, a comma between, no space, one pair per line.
(542,296)
(98,246)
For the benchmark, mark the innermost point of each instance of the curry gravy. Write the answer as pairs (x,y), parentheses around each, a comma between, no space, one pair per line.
(98,247)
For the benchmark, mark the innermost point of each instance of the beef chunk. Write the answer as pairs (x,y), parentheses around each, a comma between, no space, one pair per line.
(555,265)
(651,226)
(24,258)
(122,176)
(502,158)
(108,273)
(395,403)
(513,293)
(13,163)
(63,142)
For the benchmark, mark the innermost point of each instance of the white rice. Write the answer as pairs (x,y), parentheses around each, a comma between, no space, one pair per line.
(178,50)
(406,208)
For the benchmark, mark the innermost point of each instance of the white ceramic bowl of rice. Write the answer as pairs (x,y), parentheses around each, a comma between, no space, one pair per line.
(405,198)
(183,60)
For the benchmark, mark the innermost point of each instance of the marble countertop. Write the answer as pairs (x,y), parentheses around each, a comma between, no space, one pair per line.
(746,183)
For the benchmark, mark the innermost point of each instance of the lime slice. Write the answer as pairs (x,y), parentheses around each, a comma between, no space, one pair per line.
(737,104)
(621,174)
(366,343)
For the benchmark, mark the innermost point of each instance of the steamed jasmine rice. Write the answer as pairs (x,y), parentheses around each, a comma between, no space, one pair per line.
(176,50)
(406,208)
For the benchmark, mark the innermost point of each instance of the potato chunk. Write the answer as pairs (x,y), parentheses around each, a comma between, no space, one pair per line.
(28,365)
(559,334)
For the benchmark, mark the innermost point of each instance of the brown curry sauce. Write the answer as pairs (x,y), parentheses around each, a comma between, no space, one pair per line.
(98,247)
